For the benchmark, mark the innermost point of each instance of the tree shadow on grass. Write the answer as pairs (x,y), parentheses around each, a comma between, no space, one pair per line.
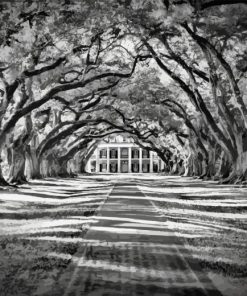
(28,264)
(63,213)
(52,194)
(48,184)
(227,268)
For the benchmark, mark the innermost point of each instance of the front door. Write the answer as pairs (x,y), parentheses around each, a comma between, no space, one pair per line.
(124,166)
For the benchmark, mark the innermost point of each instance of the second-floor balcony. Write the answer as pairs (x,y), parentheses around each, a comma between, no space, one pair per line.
(124,153)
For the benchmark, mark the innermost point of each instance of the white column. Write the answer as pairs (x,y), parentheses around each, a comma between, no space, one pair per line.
(88,166)
(140,160)
(162,165)
(97,160)
(129,170)
(108,159)
(151,161)
(118,159)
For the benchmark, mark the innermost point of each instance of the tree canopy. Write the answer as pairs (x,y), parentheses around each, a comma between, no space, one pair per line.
(171,74)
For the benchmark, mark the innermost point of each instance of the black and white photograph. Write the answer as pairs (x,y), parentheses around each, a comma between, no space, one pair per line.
(123,147)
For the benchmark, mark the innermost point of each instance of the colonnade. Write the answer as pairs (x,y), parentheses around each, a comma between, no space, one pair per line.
(124,164)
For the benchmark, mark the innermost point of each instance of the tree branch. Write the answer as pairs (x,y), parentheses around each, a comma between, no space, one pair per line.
(36,104)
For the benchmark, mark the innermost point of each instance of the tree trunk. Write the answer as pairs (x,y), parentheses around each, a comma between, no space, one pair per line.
(188,166)
(3,182)
(195,167)
(72,167)
(210,171)
(174,169)
(32,169)
(220,166)
(63,169)
(47,168)
(17,166)
(239,172)
(204,166)
(86,156)
(53,167)
(83,167)
(239,165)
(181,169)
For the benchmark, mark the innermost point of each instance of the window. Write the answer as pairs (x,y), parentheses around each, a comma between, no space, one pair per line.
(145,154)
(103,153)
(124,152)
(135,153)
(113,153)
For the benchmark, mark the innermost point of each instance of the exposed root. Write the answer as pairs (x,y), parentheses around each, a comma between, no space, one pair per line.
(18,181)
(230,179)
(234,178)
(202,176)
(3,183)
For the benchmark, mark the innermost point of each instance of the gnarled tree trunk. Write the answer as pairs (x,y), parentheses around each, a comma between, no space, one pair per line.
(3,182)
(49,167)
(188,165)
(17,165)
(32,169)
(239,164)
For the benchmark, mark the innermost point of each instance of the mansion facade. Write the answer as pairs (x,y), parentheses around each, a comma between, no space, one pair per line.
(121,155)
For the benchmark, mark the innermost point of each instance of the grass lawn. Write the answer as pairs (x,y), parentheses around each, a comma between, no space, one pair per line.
(212,221)
(37,223)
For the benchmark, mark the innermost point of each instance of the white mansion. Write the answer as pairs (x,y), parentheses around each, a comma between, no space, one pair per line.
(119,154)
